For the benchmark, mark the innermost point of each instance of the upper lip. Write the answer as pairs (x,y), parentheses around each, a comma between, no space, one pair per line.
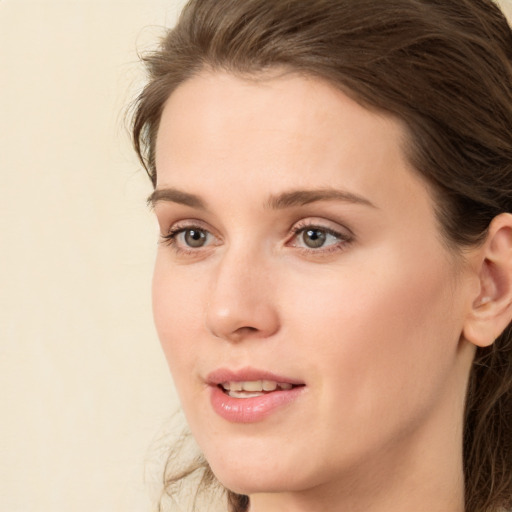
(221,375)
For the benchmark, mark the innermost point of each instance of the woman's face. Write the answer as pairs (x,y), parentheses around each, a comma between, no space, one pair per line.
(301,267)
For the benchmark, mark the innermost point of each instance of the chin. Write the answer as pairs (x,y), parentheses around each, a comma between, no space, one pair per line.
(244,473)
(260,481)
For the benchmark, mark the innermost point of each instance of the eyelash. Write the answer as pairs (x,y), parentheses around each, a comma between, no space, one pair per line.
(343,239)
(170,238)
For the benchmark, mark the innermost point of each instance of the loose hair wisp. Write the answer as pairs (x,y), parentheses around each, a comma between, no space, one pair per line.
(444,68)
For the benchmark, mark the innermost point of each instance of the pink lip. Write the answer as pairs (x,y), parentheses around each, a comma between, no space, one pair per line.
(246,374)
(249,410)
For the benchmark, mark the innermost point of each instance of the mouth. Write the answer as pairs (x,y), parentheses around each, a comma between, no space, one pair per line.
(254,388)
(249,395)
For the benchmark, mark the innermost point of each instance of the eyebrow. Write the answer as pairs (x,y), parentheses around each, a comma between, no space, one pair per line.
(175,196)
(275,202)
(303,197)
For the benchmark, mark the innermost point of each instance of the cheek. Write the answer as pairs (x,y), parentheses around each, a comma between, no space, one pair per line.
(380,339)
(381,295)
(177,312)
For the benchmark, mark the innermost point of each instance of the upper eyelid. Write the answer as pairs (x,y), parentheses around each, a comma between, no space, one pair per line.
(184,224)
(319,223)
(312,221)
(333,227)
(341,237)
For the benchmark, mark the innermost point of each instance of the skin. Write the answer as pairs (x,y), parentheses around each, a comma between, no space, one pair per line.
(372,322)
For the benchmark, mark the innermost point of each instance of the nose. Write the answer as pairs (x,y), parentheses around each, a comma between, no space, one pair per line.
(240,304)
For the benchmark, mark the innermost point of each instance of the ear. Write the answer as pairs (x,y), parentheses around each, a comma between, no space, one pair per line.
(491,310)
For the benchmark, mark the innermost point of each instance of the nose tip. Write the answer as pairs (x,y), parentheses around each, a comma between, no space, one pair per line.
(241,304)
(242,321)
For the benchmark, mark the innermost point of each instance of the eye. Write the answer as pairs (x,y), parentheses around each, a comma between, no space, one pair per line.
(193,237)
(188,238)
(316,238)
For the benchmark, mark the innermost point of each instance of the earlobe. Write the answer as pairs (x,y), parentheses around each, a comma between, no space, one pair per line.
(491,310)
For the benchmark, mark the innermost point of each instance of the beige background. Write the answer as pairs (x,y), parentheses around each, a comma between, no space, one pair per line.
(83,387)
(84,390)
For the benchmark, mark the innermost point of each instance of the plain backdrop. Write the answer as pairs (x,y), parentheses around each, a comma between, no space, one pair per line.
(84,389)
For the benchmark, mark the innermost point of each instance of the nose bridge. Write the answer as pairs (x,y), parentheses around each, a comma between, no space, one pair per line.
(240,302)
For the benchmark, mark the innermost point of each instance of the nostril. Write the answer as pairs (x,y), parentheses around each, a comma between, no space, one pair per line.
(246,330)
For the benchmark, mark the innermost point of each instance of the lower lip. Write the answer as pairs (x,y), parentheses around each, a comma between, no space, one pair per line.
(251,410)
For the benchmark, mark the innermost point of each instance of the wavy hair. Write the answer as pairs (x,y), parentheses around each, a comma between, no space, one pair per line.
(444,67)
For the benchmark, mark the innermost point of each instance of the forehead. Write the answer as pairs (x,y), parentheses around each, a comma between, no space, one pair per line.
(281,104)
(269,131)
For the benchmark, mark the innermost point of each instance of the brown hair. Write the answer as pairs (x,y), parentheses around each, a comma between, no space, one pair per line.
(444,67)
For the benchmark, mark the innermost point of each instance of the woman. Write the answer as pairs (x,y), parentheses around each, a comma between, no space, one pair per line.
(333,287)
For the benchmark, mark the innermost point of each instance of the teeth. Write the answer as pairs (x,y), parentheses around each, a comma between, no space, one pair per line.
(254,386)
(243,394)
(269,385)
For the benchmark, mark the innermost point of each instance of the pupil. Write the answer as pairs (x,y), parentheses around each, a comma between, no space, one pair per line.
(195,238)
(314,238)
